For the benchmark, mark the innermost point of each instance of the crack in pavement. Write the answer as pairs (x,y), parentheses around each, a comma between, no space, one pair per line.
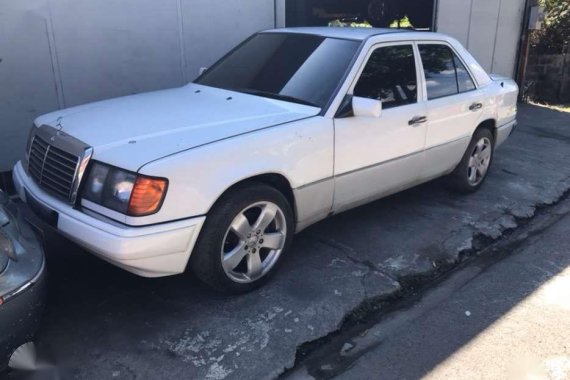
(349,253)
(489,251)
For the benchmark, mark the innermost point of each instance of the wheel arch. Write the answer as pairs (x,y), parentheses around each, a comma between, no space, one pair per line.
(275,180)
(490,125)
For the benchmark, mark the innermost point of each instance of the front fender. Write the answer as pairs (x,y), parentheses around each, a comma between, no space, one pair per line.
(300,151)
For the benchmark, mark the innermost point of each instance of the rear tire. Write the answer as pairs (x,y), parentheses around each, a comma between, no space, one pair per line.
(243,239)
(474,167)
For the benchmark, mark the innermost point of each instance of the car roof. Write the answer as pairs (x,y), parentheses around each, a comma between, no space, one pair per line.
(359,34)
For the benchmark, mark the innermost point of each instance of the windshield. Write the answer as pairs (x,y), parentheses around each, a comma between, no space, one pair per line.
(294,67)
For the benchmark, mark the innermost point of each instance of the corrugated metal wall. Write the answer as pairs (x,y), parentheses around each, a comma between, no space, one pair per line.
(59,53)
(489,29)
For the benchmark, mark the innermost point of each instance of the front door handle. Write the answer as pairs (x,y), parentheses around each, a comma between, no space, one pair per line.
(475,106)
(417,120)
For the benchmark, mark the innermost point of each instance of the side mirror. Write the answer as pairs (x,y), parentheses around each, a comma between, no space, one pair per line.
(366,107)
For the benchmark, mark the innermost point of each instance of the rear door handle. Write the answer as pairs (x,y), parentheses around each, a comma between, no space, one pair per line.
(417,120)
(475,106)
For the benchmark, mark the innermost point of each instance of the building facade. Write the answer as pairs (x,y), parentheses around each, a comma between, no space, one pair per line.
(61,53)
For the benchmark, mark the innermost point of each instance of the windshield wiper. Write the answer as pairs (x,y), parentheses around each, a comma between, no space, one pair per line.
(272,95)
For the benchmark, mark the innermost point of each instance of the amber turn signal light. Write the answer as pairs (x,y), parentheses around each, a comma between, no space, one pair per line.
(147,195)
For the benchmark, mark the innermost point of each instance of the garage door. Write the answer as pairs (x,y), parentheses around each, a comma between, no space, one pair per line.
(378,13)
(489,29)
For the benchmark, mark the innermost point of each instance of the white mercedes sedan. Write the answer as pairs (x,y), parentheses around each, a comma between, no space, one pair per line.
(290,127)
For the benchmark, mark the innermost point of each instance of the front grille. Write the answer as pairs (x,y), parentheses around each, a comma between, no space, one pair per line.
(52,168)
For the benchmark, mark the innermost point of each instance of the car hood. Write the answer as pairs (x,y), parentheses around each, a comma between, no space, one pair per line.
(131,131)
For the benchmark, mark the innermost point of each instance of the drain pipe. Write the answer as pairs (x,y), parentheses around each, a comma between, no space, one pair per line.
(523,48)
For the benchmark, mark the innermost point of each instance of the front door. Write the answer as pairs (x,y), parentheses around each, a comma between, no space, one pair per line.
(375,157)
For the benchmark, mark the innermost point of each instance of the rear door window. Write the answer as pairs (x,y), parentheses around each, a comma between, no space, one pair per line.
(444,72)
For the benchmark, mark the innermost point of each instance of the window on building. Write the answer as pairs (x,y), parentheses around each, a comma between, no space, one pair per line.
(390,76)
(445,74)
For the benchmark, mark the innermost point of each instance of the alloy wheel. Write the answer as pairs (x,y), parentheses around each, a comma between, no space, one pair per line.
(254,242)
(479,161)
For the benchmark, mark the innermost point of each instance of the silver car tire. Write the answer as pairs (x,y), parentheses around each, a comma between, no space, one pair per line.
(474,167)
(244,238)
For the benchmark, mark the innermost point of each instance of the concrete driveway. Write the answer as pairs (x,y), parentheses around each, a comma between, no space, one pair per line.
(105,323)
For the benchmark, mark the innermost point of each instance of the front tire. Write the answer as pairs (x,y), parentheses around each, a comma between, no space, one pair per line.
(243,239)
(472,171)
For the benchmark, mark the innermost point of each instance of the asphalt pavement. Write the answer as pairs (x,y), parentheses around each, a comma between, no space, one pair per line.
(502,316)
(102,322)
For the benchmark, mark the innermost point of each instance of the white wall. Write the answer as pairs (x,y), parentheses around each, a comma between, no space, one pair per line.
(59,53)
(489,29)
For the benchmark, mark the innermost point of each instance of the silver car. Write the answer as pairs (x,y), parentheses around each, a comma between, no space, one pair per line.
(22,280)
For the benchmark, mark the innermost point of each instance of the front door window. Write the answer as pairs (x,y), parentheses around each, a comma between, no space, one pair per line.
(390,76)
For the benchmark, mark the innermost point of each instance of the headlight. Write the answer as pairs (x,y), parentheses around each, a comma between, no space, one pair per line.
(124,191)
(29,143)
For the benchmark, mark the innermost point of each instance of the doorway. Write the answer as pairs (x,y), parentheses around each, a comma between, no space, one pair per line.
(413,14)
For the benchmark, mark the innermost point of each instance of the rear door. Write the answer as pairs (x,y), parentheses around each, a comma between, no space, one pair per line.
(454,106)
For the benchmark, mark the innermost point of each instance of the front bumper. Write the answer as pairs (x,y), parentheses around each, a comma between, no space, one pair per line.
(152,251)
